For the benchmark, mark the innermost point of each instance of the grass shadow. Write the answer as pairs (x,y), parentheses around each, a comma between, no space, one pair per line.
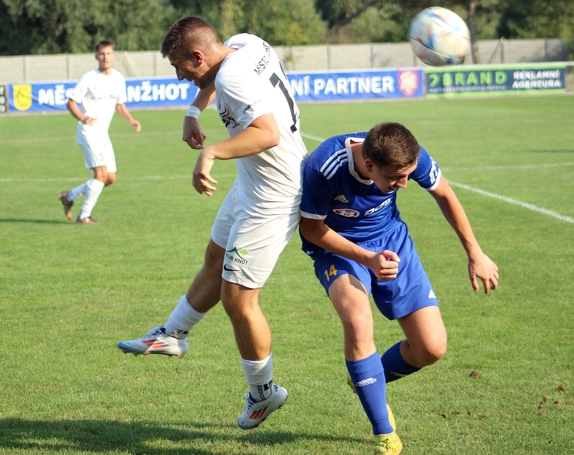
(16,220)
(141,438)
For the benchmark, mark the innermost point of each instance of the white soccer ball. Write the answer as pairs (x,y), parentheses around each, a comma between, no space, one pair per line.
(439,37)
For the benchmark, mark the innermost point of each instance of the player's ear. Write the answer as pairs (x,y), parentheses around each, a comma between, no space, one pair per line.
(369,165)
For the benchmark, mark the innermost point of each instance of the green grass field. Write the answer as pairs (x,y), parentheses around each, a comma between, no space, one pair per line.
(69,293)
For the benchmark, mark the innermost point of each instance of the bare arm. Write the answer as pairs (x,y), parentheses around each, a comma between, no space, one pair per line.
(479,264)
(192,133)
(260,135)
(384,264)
(124,113)
(78,114)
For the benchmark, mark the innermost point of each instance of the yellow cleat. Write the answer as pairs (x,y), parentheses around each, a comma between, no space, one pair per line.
(388,444)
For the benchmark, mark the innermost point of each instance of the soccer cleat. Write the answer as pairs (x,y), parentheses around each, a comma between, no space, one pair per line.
(256,412)
(388,444)
(86,220)
(63,197)
(156,342)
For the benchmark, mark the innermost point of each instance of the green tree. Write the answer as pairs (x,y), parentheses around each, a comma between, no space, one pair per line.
(280,22)
(73,26)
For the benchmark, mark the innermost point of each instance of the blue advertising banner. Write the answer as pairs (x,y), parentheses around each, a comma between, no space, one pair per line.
(356,85)
(169,92)
(495,80)
(140,93)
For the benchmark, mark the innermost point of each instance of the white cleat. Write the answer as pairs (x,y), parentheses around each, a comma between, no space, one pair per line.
(256,412)
(156,342)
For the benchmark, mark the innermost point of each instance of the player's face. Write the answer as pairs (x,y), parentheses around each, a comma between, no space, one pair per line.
(390,178)
(191,69)
(105,57)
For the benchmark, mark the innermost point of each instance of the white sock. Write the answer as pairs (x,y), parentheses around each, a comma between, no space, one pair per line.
(93,191)
(182,319)
(259,375)
(77,192)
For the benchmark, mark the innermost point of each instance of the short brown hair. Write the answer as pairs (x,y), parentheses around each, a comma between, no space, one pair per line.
(188,34)
(104,43)
(390,144)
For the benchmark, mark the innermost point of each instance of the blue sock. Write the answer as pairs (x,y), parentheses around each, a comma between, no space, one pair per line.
(369,379)
(394,365)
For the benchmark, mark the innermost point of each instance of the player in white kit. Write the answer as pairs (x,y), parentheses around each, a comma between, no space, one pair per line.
(95,98)
(259,214)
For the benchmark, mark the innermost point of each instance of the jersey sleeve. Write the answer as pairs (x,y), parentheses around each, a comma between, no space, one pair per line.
(427,174)
(317,192)
(80,89)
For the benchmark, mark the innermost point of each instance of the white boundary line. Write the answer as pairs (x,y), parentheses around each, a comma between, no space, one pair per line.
(493,195)
(513,201)
(525,205)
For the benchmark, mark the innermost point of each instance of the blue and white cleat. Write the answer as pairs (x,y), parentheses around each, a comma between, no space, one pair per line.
(256,412)
(156,342)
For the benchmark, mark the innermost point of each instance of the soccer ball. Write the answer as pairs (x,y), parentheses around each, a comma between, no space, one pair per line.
(439,37)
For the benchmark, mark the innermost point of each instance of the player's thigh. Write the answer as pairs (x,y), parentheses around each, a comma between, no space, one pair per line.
(350,299)
(425,331)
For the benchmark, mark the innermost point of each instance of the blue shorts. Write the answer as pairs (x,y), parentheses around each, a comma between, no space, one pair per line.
(409,291)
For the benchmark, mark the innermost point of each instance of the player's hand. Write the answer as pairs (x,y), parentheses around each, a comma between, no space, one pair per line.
(192,133)
(136,125)
(202,181)
(385,265)
(90,121)
(482,267)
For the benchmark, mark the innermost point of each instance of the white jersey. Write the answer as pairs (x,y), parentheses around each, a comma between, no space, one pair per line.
(249,84)
(98,95)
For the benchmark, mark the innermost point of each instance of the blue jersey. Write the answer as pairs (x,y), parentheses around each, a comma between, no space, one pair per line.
(350,205)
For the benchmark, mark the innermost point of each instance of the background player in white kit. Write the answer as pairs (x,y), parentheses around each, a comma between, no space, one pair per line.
(351,228)
(259,214)
(100,93)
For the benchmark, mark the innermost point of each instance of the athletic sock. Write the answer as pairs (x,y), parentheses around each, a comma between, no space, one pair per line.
(93,190)
(259,376)
(75,193)
(369,380)
(182,319)
(395,365)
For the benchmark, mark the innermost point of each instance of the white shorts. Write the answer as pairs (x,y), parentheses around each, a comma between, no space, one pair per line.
(252,242)
(98,151)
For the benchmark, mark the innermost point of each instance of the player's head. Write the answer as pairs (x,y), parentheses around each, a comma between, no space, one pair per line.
(391,144)
(104,43)
(105,55)
(390,152)
(194,50)
(188,34)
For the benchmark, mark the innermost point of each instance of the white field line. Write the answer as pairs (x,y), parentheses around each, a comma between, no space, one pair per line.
(513,201)
(525,205)
(508,200)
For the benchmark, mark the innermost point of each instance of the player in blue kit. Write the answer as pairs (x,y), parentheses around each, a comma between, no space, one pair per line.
(351,228)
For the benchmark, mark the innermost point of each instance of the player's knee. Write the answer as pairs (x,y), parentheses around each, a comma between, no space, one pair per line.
(357,329)
(111,178)
(433,352)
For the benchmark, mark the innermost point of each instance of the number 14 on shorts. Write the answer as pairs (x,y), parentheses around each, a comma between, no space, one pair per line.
(331,272)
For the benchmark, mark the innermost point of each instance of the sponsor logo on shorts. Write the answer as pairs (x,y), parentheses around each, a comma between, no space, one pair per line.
(431,295)
(236,257)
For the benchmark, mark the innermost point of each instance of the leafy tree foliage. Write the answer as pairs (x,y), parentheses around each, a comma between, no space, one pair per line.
(72,26)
